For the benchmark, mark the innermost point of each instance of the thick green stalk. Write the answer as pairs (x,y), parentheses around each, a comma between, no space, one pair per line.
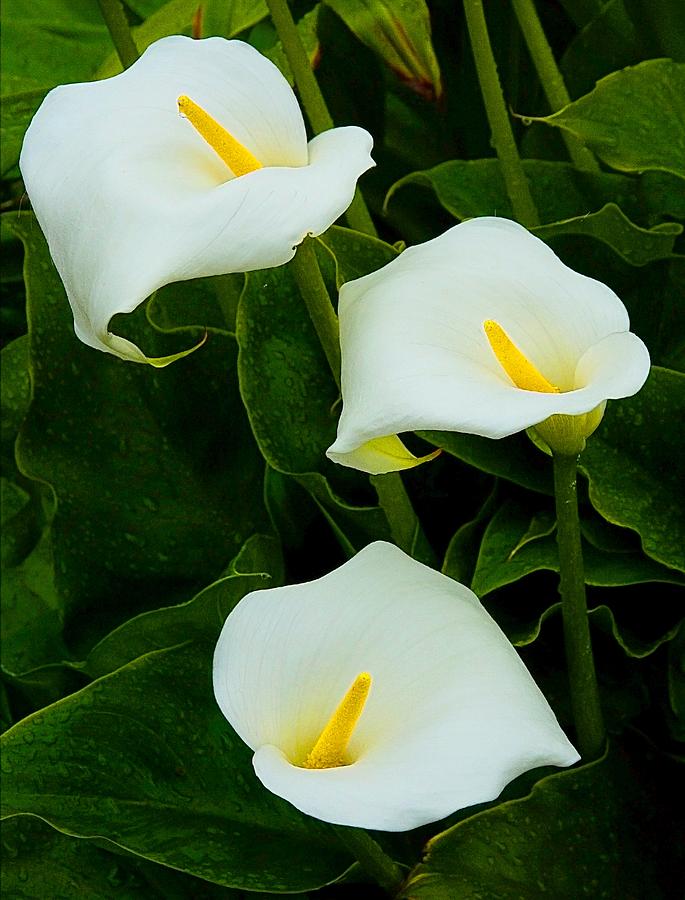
(357,215)
(396,505)
(119,30)
(551,79)
(587,711)
(503,141)
(314,292)
(372,858)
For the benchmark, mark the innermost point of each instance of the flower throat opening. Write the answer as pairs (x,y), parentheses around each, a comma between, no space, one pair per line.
(328,751)
(517,366)
(237,157)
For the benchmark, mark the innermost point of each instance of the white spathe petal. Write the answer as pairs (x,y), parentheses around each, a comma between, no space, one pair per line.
(415,355)
(130,197)
(452,715)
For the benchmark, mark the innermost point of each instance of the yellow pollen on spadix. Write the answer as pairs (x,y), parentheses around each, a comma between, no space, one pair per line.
(329,749)
(237,157)
(517,366)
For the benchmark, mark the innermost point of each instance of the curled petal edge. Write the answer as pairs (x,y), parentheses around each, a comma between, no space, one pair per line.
(380,456)
(130,352)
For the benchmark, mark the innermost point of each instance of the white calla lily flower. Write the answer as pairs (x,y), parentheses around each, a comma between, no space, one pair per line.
(382,695)
(192,162)
(482,330)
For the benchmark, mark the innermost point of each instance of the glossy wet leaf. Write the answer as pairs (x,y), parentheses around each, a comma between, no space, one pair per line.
(354,526)
(513,458)
(42,862)
(285,381)
(38,52)
(167,780)
(514,547)
(636,245)
(475,187)
(600,831)
(200,617)
(15,397)
(634,119)
(564,197)
(634,464)
(229,19)
(155,472)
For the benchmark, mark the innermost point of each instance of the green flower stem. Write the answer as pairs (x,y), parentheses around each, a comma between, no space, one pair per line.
(551,79)
(119,30)
(314,292)
(404,525)
(371,857)
(587,711)
(503,141)
(320,119)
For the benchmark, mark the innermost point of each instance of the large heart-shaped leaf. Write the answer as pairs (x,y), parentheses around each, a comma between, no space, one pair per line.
(144,758)
(156,475)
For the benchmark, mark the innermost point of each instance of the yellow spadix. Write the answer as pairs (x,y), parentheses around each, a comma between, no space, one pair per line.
(329,749)
(517,366)
(237,157)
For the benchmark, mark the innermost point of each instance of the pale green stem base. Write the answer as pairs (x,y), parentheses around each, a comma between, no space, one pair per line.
(551,79)
(585,702)
(119,30)
(372,858)
(357,215)
(503,141)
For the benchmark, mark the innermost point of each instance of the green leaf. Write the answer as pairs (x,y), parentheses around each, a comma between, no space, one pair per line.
(201,617)
(468,188)
(284,378)
(155,471)
(634,119)
(676,684)
(32,612)
(285,381)
(634,464)
(607,43)
(174,17)
(14,398)
(516,543)
(307,28)
(601,831)
(229,19)
(41,862)
(513,458)
(475,187)
(636,245)
(44,43)
(399,31)
(354,526)
(355,254)
(462,551)
(144,759)
(196,305)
